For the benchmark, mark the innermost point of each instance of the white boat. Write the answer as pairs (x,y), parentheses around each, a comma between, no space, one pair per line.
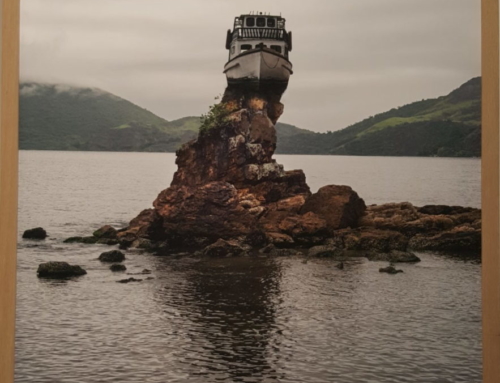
(259,46)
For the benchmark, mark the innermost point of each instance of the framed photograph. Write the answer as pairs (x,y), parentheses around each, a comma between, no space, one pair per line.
(200,192)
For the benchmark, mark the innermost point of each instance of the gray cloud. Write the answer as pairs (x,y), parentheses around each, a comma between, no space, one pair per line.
(352,59)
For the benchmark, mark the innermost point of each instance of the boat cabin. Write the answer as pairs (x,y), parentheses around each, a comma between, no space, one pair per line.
(256,31)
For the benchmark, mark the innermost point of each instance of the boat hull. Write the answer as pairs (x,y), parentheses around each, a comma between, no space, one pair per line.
(258,69)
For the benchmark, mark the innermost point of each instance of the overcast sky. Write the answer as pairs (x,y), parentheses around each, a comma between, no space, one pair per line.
(351,58)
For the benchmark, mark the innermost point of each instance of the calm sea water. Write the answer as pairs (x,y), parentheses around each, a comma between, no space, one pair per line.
(238,319)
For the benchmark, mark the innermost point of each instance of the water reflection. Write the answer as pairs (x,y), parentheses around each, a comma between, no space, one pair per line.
(231,307)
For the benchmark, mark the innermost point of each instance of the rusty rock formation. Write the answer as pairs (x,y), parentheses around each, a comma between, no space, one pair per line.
(228,186)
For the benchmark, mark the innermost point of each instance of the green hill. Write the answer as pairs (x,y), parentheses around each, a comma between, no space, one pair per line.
(447,126)
(59,117)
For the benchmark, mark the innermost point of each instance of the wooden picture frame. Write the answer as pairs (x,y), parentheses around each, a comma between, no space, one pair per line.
(9,116)
(9,78)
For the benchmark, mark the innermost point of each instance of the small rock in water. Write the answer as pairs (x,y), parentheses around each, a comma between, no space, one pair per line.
(87,240)
(389,270)
(59,270)
(340,266)
(112,256)
(127,280)
(105,232)
(36,233)
(73,240)
(117,267)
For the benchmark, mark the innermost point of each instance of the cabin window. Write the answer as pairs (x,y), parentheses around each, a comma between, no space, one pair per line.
(277,48)
(250,22)
(271,23)
(261,22)
(245,47)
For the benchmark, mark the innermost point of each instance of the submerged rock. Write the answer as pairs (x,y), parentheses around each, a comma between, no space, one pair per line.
(117,267)
(59,270)
(36,233)
(223,248)
(112,256)
(86,240)
(89,240)
(106,231)
(128,280)
(390,270)
(73,240)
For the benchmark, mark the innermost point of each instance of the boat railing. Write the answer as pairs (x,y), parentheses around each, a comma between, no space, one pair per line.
(260,33)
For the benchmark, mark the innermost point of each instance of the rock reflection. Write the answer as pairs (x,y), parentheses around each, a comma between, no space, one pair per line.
(231,306)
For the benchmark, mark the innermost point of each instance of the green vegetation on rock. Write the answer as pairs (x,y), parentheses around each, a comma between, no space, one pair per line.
(217,115)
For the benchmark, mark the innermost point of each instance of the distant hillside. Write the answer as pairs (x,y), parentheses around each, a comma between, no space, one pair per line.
(59,117)
(448,126)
